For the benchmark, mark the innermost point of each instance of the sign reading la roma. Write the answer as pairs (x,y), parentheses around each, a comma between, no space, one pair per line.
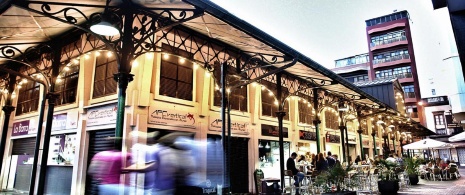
(169,117)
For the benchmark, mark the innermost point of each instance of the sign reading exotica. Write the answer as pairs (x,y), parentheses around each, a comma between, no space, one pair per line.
(172,117)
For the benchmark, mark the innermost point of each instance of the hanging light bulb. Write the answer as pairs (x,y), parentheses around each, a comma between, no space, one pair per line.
(182,60)
(254,84)
(135,63)
(196,66)
(149,55)
(207,74)
(109,54)
(228,90)
(276,102)
(97,53)
(260,145)
(263,88)
(270,93)
(267,145)
(75,61)
(66,68)
(166,56)
(86,56)
(24,80)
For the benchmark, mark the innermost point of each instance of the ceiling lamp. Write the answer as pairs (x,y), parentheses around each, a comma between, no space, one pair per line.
(104,27)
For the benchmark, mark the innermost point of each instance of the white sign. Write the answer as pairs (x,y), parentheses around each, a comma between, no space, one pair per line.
(352,139)
(102,115)
(178,118)
(240,127)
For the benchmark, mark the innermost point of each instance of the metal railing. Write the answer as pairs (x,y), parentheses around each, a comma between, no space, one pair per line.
(413,114)
(398,76)
(391,59)
(388,41)
(409,95)
(441,131)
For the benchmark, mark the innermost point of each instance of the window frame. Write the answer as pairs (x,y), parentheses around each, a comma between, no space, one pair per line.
(107,79)
(72,73)
(187,64)
(26,95)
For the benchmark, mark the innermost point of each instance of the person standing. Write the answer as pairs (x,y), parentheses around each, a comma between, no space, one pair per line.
(290,165)
(331,161)
(321,163)
(357,160)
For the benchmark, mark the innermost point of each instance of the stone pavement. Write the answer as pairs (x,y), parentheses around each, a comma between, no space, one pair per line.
(425,187)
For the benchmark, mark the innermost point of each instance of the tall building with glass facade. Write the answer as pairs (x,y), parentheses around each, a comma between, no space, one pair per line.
(390,55)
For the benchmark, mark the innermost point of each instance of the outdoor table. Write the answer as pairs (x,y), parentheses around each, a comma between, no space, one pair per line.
(267,189)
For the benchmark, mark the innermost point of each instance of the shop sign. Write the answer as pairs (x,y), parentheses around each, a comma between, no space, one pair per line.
(332,138)
(102,115)
(59,121)
(307,135)
(273,131)
(436,101)
(352,139)
(20,128)
(366,143)
(172,117)
(239,127)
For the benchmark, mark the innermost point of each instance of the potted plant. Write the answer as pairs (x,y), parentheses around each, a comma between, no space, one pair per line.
(337,181)
(388,182)
(411,166)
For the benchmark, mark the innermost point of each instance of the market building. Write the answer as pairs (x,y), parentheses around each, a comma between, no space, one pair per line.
(169,69)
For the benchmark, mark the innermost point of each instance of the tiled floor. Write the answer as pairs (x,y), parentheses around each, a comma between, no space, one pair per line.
(424,187)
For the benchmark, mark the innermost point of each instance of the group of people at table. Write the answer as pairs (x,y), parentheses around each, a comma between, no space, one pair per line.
(313,165)
(438,166)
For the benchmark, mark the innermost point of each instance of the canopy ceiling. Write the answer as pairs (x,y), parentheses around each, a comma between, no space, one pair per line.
(25,29)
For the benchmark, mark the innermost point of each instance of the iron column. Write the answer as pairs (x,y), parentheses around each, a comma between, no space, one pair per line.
(373,134)
(341,128)
(7,109)
(280,115)
(360,142)
(51,97)
(123,77)
(224,69)
(317,121)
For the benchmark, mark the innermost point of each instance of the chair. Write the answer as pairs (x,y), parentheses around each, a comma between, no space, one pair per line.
(437,173)
(453,171)
(290,176)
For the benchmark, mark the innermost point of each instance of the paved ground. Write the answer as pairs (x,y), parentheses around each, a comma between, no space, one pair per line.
(424,187)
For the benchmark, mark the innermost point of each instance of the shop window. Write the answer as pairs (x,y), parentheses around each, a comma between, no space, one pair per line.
(269,101)
(176,76)
(306,111)
(105,68)
(237,97)
(66,86)
(28,98)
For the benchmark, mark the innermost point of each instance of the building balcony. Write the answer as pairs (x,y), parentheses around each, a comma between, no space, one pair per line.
(410,97)
(400,59)
(388,43)
(441,131)
(352,68)
(403,78)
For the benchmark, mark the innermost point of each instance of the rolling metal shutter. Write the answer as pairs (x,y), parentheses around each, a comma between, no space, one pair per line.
(98,142)
(24,146)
